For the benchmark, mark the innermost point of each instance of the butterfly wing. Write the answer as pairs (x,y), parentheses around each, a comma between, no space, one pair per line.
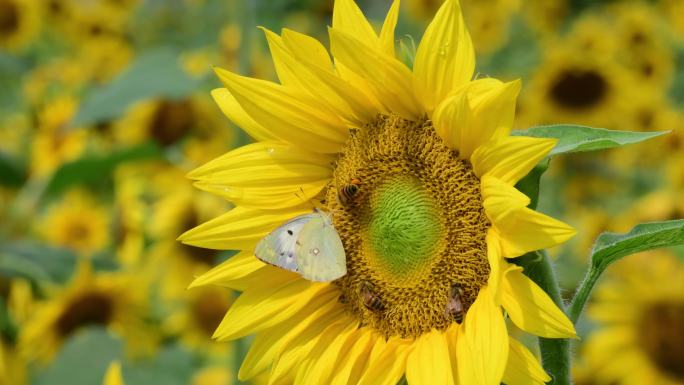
(319,251)
(278,247)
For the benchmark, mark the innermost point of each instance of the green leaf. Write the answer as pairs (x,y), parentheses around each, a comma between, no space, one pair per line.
(611,247)
(171,366)
(12,173)
(529,185)
(94,168)
(83,360)
(572,138)
(35,262)
(154,74)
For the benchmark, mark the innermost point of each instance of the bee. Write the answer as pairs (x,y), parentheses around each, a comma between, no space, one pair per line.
(347,192)
(454,307)
(370,300)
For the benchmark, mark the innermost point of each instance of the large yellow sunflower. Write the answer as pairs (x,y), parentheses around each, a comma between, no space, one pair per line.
(639,311)
(437,209)
(19,22)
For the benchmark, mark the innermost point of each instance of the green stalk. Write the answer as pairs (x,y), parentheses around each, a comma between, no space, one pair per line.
(582,295)
(555,352)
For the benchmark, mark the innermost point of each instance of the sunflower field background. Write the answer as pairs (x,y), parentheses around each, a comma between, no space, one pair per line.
(105,106)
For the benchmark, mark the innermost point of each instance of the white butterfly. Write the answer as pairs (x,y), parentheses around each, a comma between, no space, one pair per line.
(308,245)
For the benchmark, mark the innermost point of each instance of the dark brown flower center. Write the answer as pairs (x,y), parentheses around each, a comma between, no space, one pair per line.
(208,310)
(171,121)
(578,89)
(413,233)
(9,17)
(662,337)
(196,254)
(90,309)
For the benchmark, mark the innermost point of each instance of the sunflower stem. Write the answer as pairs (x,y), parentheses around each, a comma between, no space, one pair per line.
(555,352)
(580,299)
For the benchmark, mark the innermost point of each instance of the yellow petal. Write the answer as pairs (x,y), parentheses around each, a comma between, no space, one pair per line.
(331,90)
(522,367)
(495,262)
(292,115)
(240,228)
(452,335)
(318,369)
(429,361)
(390,77)
(299,349)
(482,345)
(234,111)
(473,115)
(500,199)
(268,343)
(113,375)
(266,175)
(531,309)
(526,230)
(351,364)
(307,49)
(388,367)
(445,58)
(511,158)
(230,273)
(261,307)
(387,32)
(347,17)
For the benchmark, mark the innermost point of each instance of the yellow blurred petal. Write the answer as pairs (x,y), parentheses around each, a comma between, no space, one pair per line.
(240,228)
(389,366)
(291,115)
(269,343)
(482,346)
(307,49)
(390,77)
(266,305)
(445,58)
(234,111)
(388,27)
(113,375)
(230,273)
(511,158)
(348,17)
(522,367)
(267,175)
(351,364)
(531,309)
(429,361)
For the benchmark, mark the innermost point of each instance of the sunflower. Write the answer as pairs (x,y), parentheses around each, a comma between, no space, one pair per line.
(77,222)
(19,22)
(18,299)
(115,300)
(189,123)
(572,85)
(437,211)
(639,312)
(113,374)
(55,143)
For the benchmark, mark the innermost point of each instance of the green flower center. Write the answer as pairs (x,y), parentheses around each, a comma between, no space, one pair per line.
(410,216)
(404,228)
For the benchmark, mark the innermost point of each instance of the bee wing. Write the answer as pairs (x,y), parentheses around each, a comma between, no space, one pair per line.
(319,251)
(278,247)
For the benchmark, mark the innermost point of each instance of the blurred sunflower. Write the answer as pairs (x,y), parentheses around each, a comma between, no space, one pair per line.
(640,314)
(433,151)
(191,123)
(113,375)
(575,86)
(197,318)
(19,22)
(55,142)
(76,222)
(213,375)
(18,301)
(114,300)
